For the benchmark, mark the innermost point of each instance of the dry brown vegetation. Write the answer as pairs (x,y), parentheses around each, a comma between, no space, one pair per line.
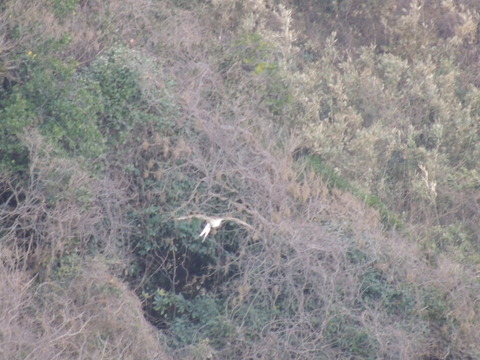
(343,132)
(57,302)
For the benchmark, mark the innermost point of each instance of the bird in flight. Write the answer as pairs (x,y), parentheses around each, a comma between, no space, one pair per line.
(213,223)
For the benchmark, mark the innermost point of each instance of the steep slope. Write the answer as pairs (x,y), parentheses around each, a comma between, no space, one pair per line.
(351,157)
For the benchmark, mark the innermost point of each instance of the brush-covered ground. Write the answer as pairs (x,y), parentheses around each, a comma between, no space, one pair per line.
(344,137)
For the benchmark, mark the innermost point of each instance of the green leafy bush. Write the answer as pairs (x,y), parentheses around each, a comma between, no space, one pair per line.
(82,111)
(350,337)
(260,62)
(397,299)
(55,99)
(193,321)
(64,8)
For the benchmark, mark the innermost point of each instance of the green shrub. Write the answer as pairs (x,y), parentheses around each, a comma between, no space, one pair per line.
(398,129)
(334,180)
(434,304)
(130,98)
(119,92)
(66,268)
(193,321)
(394,298)
(56,100)
(64,8)
(456,239)
(82,111)
(261,68)
(16,116)
(348,335)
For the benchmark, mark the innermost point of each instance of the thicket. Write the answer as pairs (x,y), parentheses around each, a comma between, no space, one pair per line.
(343,133)
(400,118)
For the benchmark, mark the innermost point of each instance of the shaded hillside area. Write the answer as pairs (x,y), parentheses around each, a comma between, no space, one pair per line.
(340,139)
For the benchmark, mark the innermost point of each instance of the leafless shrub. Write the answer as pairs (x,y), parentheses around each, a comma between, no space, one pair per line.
(60,210)
(295,261)
(93,317)
(55,303)
(83,36)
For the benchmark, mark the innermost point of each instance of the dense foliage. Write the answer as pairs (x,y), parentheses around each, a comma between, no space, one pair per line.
(340,138)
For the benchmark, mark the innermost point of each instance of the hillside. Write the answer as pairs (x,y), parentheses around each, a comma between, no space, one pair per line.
(339,139)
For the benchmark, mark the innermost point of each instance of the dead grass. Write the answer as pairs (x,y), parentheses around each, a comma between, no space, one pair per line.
(57,300)
(60,210)
(93,317)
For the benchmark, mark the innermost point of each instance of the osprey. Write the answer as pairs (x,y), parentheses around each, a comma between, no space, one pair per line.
(211,224)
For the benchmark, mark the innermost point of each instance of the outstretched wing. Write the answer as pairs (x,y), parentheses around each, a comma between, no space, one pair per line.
(196,216)
(239,222)
(215,222)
